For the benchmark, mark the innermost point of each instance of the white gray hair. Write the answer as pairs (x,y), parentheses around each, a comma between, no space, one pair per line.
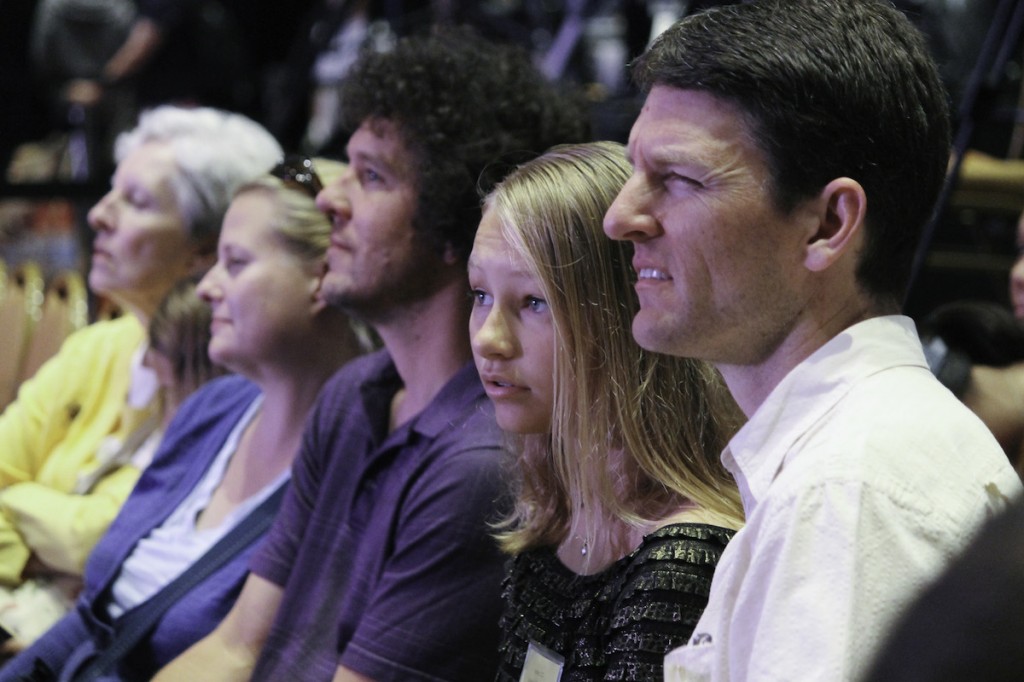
(215,152)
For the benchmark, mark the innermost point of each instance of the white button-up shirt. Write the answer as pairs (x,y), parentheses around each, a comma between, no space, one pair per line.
(861,477)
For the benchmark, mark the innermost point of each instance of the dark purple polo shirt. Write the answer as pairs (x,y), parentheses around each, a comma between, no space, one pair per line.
(382,545)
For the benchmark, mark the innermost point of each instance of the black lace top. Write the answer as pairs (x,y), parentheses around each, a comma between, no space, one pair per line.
(617,624)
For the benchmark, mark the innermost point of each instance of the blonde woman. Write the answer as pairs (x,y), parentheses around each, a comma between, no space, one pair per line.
(229,448)
(622,507)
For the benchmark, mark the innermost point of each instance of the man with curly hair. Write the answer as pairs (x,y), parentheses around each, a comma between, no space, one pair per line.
(381,565)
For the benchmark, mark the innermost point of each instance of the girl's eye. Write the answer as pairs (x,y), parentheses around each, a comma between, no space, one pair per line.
(370,175)
(536,305)
(481,297)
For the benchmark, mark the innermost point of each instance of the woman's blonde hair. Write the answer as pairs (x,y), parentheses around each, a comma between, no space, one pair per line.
(635,435)
(303,228)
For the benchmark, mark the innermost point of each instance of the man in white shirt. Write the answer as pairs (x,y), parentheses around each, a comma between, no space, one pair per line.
(785,162)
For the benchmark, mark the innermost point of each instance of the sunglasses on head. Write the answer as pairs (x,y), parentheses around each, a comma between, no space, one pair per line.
(298,170)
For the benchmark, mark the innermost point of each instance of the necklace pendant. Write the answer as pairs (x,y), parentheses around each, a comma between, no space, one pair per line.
(583,550)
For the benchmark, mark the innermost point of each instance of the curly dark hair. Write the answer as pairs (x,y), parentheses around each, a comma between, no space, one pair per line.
(467,109)
(831,88)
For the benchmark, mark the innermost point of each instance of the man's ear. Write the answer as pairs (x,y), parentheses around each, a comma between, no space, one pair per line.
(840,211)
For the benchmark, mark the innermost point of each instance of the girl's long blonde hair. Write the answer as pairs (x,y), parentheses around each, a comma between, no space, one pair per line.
(636,436)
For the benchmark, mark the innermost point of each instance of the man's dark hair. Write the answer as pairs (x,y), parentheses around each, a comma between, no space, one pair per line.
(462,105)
(829,88)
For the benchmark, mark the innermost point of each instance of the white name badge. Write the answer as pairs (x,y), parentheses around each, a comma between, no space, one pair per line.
(541,665)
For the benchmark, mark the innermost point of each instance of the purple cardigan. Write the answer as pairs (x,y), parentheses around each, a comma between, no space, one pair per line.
(193,439)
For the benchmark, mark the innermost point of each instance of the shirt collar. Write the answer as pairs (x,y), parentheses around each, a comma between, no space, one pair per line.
(461,390)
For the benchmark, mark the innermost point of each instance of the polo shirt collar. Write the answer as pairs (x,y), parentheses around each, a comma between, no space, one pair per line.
(462,389)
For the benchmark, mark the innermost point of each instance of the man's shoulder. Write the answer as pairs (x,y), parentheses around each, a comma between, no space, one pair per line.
(899,445)
(897,414)
(910,420)
(468,450)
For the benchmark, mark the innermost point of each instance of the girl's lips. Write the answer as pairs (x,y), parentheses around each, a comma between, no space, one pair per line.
(498,387)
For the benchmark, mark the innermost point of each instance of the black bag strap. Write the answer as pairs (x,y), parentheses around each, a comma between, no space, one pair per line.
(135,624)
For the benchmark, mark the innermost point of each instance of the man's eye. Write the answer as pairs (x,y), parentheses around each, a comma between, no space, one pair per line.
(682,180)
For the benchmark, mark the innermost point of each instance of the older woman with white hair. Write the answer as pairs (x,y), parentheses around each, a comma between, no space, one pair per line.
(176,173)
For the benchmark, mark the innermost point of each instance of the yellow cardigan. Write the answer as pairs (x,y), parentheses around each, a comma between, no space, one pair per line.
(50,435)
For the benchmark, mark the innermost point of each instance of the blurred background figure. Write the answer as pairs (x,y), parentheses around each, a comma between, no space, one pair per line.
(179,334)
(1017,272)
(976,348)
(101,62)
(302,105)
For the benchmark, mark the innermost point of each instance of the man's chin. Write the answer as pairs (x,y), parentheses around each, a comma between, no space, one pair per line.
(653,335)
(338,296)
(644,333)
(332,289)
(333,297)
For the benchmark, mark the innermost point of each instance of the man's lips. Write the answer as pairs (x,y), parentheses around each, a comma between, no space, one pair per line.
(647,274)
(339,244)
